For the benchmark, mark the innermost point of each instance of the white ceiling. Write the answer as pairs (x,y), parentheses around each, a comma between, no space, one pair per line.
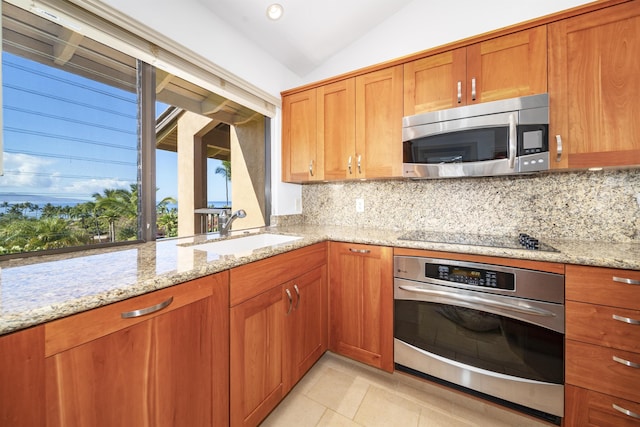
(309,32)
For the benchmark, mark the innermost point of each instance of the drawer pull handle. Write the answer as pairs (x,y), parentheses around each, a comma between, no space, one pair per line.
(625,319)
(625,280)
(558,148)
(298,294)
(349,165)
(459,91)
(626,362)
(360,251)
(625,411)
(148,310)
(290,301)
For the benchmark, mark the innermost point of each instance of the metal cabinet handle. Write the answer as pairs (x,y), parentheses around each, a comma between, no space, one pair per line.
(558,148)
(625,411)
(513,139)
(625,319)
(311,167)
(473,89)
(349,165)
(298,294)
(459,91)
(290,301)
(360,163)
(626,362)
(625,280)
(360,251)
(145,311)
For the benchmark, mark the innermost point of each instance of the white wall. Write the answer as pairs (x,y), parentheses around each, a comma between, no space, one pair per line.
(425,24)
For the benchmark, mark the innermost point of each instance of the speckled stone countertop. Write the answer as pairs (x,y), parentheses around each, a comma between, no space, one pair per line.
(39,289)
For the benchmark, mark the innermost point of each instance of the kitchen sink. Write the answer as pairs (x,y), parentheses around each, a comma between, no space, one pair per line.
(246,244)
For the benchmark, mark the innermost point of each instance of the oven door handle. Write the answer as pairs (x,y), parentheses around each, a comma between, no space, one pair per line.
(448,297)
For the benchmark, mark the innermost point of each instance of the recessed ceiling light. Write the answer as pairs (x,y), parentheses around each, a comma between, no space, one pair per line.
(275,11)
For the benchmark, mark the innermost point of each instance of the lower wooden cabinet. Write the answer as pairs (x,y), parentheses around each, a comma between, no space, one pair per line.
(361,303)
(278,329)
(22,392)
(602,350)
(117,365)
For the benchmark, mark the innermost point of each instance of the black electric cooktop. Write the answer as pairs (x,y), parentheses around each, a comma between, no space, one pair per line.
(522,241)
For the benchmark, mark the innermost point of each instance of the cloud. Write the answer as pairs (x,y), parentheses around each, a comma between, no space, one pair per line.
(21,170)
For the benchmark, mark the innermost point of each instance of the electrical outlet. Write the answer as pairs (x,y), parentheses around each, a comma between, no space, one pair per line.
(359,205)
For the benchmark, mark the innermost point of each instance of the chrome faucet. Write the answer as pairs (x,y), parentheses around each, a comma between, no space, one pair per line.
(224,221)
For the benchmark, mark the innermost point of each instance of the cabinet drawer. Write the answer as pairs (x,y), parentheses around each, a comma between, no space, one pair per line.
(252,279)
(593,367)
(602,325)
(605,286)
(80,328)
(587,408)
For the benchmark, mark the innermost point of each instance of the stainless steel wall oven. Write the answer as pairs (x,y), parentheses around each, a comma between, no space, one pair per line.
(495,330)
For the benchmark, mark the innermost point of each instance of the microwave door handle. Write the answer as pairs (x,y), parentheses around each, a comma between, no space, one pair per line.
(447,297)
(513,137)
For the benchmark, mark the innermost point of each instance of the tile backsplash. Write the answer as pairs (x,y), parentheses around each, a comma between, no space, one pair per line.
(599,206)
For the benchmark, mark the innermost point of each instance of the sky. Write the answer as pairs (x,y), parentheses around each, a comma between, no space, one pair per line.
(68,136)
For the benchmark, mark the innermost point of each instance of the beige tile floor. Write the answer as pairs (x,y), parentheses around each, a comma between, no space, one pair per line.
(338,392)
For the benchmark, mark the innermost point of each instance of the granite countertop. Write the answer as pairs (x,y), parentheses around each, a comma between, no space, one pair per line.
(38,289)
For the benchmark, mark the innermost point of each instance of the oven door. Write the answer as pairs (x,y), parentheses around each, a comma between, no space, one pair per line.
(492,344)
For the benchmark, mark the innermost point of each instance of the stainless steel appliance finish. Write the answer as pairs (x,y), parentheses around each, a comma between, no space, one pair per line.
(492,329)
(492,138)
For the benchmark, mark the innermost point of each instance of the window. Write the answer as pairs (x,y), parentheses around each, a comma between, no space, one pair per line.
(79,127)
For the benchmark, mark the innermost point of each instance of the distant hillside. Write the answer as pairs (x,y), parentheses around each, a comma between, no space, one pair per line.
(13,198)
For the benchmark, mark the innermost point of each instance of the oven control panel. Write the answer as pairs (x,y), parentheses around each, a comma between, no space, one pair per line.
(471,276)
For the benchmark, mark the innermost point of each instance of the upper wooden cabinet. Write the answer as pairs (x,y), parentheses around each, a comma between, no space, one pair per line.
(350,129)
(300,160)
(504,67)
(594,60)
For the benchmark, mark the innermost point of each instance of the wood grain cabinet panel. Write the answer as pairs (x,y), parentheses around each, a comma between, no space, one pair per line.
(361,303)
(278,328)
(500,68)
(300,159)
(22,378)
(602,347)
(592,409)
(160,371)
(594,60)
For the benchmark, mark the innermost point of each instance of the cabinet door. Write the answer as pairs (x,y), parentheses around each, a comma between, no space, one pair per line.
(336,128)
(306,331)
(156,372)
(299,138)
(361,303)
(593,87)
(507,67)
(256,356)
(22,392)
(379,124)
(431,83)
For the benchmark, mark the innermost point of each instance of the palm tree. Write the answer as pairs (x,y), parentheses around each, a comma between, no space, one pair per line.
(117,204)
(225,171)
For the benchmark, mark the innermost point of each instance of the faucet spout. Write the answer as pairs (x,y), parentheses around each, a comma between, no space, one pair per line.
(224,221)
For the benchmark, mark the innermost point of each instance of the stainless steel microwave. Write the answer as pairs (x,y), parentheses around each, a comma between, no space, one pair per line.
(492,138)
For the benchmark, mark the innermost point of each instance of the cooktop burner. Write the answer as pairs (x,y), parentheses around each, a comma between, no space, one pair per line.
(522,241)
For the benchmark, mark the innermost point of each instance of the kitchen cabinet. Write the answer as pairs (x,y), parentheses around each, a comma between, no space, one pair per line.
(22,392)
(349,129)
(278,328)
(593,88)
(158,359)
(361,303)
(300,159)
(499,68)
(602,349)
